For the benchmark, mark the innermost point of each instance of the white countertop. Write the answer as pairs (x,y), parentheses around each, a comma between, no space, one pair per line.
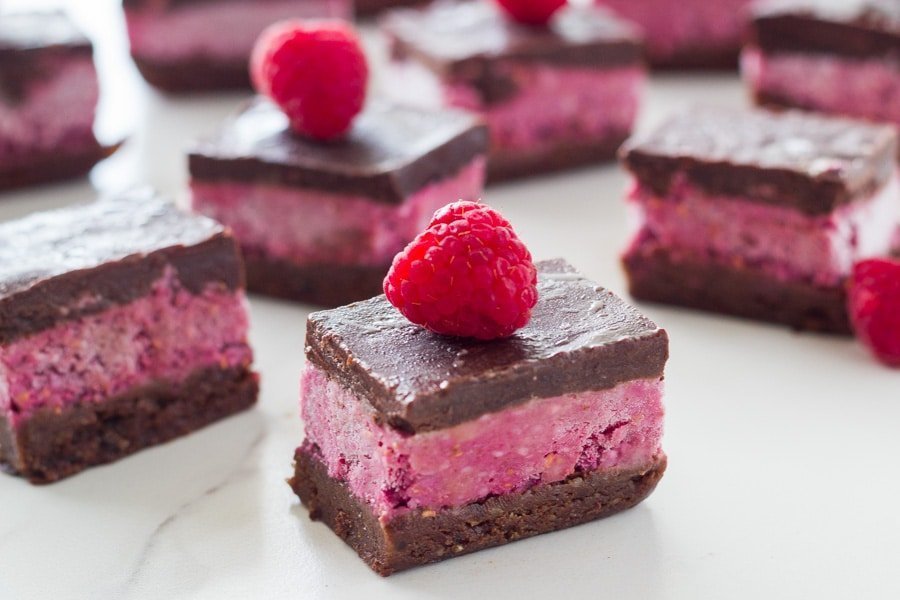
(782,446)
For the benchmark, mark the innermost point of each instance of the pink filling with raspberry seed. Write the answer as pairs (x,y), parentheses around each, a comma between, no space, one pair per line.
(220,31)
(867,89)
(553,105)
(780,241)
(165,336)
(307,226)
(57,112)
(541,441)
(691,26)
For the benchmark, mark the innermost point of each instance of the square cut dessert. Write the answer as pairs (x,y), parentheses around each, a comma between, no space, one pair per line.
(759,214)
(697,34)
(320,222)
(833,57)
(48,100)
(201,45)
(554,97)
(123,324)
(421,447)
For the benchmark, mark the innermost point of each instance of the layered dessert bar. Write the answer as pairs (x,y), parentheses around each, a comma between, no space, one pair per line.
(48,99)
(832,57)
(758,214)
(123,324)
(201,45)
(554,97)
(320,221)
(422,447)
(688,35)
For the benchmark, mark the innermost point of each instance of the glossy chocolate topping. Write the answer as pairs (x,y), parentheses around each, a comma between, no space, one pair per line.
(63,264)
(808,162)
(852,28)
(390,153)
(580,338)
(469,41)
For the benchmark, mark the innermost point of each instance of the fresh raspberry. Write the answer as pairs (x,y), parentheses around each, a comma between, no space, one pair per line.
(466,275)
(531,12)
(874,305)
(315,71)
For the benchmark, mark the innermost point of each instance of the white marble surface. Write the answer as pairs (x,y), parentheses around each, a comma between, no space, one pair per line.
(782,446)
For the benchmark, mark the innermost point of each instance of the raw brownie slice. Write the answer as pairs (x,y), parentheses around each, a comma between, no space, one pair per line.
(697,34)
(834,57)
(554,97)
(320,222)
(199,45)
(421,447)
(123,324)
(759,214)
(48,98)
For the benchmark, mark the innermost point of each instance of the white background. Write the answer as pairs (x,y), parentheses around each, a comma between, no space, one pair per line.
(783,447)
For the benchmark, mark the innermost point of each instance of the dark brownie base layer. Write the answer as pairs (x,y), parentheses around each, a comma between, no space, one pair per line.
(195,75)
(506,166)
(53,167)
(737,292)
(54,444)
(421,537)
(698,59)
(325,285)
(369,8)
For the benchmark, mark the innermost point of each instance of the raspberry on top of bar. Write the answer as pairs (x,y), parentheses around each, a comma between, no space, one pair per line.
(554,96)
(123,324)
(760,214)
(421,447)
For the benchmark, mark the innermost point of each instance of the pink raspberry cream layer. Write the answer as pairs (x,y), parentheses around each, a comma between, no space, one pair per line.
(307,226)
(164,336)
(690,27)
(223,30)
(782,242)
(541,441)
(867,89)
(56,114)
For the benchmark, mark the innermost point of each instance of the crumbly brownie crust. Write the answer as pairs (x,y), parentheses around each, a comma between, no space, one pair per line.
(53,444)
(324,285)
(391,152)
(580,338)
(421,536)
(506,165)
(65,264)
(808,162)
(739,292)
(698,59)
(53,167)
(370,8)
(850,28)
(194,75)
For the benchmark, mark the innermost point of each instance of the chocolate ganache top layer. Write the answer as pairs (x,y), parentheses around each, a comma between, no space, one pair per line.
(851,28)
(804,161)
(391,151)
(63,264)
(470,41)
(581,338)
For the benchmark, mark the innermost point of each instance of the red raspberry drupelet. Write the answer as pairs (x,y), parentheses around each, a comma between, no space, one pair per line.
(315,71)
(466,275)
(875,307)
